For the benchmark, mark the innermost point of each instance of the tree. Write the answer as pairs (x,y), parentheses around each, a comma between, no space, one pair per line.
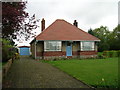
(14,19)
(12,15)
(8,50)
(90,31)
(102,33)
(114,38)
(28,26)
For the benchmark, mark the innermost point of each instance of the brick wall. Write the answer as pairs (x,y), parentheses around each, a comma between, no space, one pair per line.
(54,53)
(62,54)
(75,53)
(88,52)
(39,54)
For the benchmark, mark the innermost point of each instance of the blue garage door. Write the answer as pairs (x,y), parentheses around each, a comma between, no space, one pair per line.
(24,51)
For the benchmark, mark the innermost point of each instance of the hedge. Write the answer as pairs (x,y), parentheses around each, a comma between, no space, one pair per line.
(112,53)
(8,50)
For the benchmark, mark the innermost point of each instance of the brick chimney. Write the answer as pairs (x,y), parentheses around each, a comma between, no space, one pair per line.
(42,24)
(75,23)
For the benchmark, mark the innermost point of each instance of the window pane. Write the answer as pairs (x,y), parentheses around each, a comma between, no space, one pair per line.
(47,45)
(87,46)
(52,45)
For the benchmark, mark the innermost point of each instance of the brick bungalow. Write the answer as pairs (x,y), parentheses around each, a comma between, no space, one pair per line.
(63,40)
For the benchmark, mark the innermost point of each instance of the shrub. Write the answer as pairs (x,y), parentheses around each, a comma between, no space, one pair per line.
(112,53)
(8,51)
(100,56)
(115,53)
(17,56)
(118,53)
(105,53)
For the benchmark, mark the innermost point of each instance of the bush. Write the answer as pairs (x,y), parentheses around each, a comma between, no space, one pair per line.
(112,53)
(100,56)
(115,53)
(17,56)
(118,53)
(105,53)
(8,51)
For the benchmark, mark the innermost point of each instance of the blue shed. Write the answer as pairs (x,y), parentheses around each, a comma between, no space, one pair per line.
(24,50)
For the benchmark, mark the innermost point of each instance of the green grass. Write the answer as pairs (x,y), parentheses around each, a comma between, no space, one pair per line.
(91,71)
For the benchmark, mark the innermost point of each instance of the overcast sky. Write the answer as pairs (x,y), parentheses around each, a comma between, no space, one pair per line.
(88,13)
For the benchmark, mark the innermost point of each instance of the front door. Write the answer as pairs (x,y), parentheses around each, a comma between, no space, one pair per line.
(69,49)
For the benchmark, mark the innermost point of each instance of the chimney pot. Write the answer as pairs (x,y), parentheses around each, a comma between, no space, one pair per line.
(75,23)
(42,24)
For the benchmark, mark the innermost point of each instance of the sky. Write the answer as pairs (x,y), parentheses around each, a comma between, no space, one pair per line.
(88,13)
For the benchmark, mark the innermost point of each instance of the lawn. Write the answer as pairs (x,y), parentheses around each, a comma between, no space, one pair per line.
(94,72)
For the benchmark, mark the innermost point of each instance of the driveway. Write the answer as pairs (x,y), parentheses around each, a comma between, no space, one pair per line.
(28,73)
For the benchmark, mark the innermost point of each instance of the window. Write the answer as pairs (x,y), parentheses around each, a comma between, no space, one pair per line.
(87,46)
(52,45)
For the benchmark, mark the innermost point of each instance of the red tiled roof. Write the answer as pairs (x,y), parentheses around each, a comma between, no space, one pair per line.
(62,30)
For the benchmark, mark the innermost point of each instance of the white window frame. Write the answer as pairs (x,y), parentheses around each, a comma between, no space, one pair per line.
(82,47)
(47,45)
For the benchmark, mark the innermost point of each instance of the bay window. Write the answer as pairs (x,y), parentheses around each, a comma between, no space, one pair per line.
(52,45)
(87,46)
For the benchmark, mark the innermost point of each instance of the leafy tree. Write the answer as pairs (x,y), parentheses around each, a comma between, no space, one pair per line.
(110,40)
(16,21)
(12,16)
(27,28)
(90,31)
(8,50)
(114,39)
(102,33)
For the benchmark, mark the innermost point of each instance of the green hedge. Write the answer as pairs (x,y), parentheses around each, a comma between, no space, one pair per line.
(8,50)
(112,53)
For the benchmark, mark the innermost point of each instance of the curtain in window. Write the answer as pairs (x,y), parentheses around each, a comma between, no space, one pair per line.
(52,45)
(87,46)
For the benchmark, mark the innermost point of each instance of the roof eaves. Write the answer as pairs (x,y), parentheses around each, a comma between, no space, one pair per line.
(68,40)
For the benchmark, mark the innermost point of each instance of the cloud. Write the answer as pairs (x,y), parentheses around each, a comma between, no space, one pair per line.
(87,12)
(119,12)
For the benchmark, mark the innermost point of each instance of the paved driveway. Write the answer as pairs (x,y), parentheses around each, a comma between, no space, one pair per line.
(28,73)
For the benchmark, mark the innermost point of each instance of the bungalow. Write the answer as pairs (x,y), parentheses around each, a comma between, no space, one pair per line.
(63,40)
